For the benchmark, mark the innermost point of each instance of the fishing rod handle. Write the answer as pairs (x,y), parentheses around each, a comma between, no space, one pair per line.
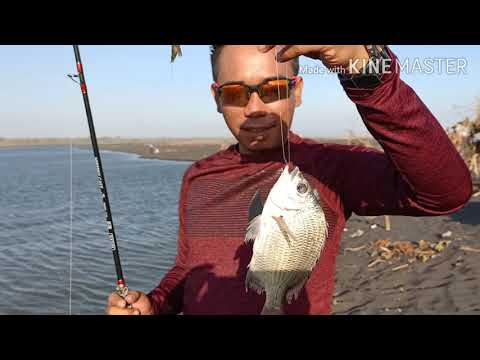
(122,291)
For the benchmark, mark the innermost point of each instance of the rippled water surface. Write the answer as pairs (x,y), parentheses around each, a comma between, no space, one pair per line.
(43,217)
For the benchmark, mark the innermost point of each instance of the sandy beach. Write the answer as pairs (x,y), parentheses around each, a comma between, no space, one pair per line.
(449,283)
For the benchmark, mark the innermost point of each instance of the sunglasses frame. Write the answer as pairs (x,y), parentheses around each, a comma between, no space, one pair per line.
(255,88)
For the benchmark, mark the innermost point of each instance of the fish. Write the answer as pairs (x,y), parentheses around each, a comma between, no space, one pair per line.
(176,50)
(288,234)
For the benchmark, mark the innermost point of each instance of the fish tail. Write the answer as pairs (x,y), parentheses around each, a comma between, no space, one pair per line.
(271,311)
(273,303)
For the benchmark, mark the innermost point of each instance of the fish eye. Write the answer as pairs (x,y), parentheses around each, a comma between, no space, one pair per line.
(302,188)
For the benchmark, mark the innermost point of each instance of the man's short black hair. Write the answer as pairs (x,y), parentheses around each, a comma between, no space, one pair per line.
(215,53)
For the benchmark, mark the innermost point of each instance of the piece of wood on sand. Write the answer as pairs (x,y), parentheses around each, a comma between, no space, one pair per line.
(375,262)
(469,249)
(404,266)
(387,223)
(355,249)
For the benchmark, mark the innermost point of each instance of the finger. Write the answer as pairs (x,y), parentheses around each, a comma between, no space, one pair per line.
(265,48)
(313,51)
(143,304)
(288,53)
(114,310)
(116,300)
(132,297)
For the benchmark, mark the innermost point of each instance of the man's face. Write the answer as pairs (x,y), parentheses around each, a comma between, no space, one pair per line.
(256,126)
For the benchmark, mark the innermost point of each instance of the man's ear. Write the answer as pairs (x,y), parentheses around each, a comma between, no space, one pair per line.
(298,91)
(214,94)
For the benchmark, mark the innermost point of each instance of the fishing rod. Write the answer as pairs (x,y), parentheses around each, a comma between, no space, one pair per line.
(121,288)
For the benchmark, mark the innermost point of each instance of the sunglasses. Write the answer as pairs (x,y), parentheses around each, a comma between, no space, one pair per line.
(269,90)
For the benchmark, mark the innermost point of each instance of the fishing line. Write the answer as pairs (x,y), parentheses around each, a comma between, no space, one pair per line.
(71,227)
(286,111)
(281,124)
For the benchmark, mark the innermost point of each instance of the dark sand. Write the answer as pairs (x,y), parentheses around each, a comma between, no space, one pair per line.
(185,152)
(446,284)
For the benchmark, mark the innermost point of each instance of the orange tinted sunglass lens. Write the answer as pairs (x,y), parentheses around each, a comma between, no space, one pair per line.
(234,95)
(275,90)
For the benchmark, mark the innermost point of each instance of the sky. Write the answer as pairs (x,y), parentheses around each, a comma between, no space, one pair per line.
(136,92)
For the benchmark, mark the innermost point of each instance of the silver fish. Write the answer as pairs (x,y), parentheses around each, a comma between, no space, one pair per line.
(176,50)
(289,234)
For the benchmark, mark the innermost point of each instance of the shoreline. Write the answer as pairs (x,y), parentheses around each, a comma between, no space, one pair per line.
(169,149)
(194,149)
(171,152)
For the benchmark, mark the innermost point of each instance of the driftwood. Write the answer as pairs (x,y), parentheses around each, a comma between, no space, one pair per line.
(404,266)
(355,249)
(470,249)
(387,223)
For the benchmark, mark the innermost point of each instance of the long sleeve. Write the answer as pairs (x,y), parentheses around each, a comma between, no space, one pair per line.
(419,173)
(167,297)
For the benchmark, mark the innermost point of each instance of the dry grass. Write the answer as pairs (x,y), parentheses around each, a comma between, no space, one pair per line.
(362,141)
(461,134)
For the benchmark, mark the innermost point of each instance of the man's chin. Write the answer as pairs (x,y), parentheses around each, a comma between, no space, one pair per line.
(260,144)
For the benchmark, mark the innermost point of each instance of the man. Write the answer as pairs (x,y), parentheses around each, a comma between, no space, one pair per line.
(419,174)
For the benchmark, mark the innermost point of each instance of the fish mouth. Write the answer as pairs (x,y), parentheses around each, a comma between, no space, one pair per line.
(294,172)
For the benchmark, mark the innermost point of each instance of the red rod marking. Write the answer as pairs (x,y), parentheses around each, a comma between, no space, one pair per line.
(84,88)
(79,68)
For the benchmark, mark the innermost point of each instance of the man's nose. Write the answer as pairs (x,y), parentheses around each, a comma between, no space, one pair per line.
(255,107)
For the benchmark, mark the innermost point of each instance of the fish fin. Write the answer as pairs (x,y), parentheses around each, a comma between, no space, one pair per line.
(294,292)
(252,282)
(256,207)
(284,228)
(253,229)
(254,217)
(271,311)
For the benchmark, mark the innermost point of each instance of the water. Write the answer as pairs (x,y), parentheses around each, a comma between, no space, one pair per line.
(35,227)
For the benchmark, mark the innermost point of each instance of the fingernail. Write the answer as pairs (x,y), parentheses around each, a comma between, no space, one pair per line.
(262,47)
(136,312)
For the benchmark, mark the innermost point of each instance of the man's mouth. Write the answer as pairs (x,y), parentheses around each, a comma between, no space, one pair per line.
(258,128)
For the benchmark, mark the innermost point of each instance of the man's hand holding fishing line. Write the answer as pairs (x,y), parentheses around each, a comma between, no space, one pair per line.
(350,58)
